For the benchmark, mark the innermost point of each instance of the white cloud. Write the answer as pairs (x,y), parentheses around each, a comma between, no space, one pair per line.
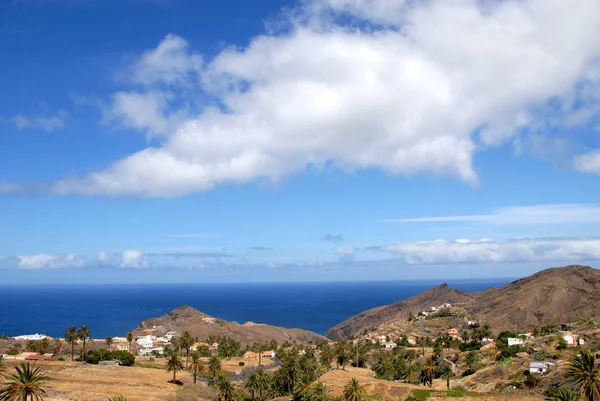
(588,162)
(50,261)
(133,259)
(486,251)
(346,253)
(405,98)
(47,123)
(521,215)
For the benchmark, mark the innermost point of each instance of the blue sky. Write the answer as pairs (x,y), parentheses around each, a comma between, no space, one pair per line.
(153,141)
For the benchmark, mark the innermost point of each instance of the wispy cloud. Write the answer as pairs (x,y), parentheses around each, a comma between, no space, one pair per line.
(333,237)
(487,251)
(47,123)
(261,248)
(49,261)
(520,215)
(191,235)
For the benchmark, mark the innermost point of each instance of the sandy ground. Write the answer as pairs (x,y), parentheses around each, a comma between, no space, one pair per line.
(80,382)
(75,381)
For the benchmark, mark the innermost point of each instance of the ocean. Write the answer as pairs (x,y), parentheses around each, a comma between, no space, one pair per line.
(116,309)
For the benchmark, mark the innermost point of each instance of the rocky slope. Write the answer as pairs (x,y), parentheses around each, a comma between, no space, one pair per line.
(200,326)
(400,310)
(552,296)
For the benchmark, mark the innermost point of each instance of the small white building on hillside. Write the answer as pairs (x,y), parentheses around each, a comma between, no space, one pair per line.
(538,367)
(514,341)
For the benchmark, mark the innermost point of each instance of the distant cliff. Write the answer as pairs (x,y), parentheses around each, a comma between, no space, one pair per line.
(552,296)
(201,325)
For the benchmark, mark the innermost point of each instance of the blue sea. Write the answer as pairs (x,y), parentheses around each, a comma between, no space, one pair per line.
(117,309)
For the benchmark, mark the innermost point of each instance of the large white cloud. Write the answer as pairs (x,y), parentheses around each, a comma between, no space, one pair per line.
(50,261)
(419,94)
(486,251)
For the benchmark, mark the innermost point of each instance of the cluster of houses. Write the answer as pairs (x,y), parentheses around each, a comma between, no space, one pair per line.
(433,310)
(379,339)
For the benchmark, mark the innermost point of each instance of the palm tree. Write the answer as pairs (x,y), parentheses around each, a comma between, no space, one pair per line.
(174,365)
(563,394)
(197,366)
(214,366)
(186,343)
(25,384)
(225,388)
(264,380)
(584,374)
(302,389)
(84,333)
(447,373)
(252,385)
(353,391)
(429,369)
(109,342)
(117,398)
(341,352)
(71,337)
(319,392)
(129,340)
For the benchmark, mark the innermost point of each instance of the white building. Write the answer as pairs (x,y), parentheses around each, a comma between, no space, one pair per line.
(514,341)
(538,367)
(31,337)
(573,340)
(145,342)
(170,335)
(446,305)
(390,345)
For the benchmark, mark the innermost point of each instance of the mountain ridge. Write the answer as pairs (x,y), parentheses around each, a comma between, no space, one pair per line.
(552,296)
(202,325)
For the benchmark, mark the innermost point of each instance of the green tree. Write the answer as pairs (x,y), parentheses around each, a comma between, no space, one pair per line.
(174,365)
(319,392)
(253,386)
(327,355)
(214,366)
(302,389)
(382,366)
(84,334)
(225,387)
(429,370)
(563,394)
(353,391)
(25,384)
(186,342)
(197,366)
(583,373)
(129,340)
(446,373)
(109,342)
(71,337)
(341,352)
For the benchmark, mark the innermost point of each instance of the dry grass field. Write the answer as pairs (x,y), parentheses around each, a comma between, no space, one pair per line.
(79,382)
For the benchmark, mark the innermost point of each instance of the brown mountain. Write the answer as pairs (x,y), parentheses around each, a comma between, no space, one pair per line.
(400,310)
(552,296)
(201,325)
